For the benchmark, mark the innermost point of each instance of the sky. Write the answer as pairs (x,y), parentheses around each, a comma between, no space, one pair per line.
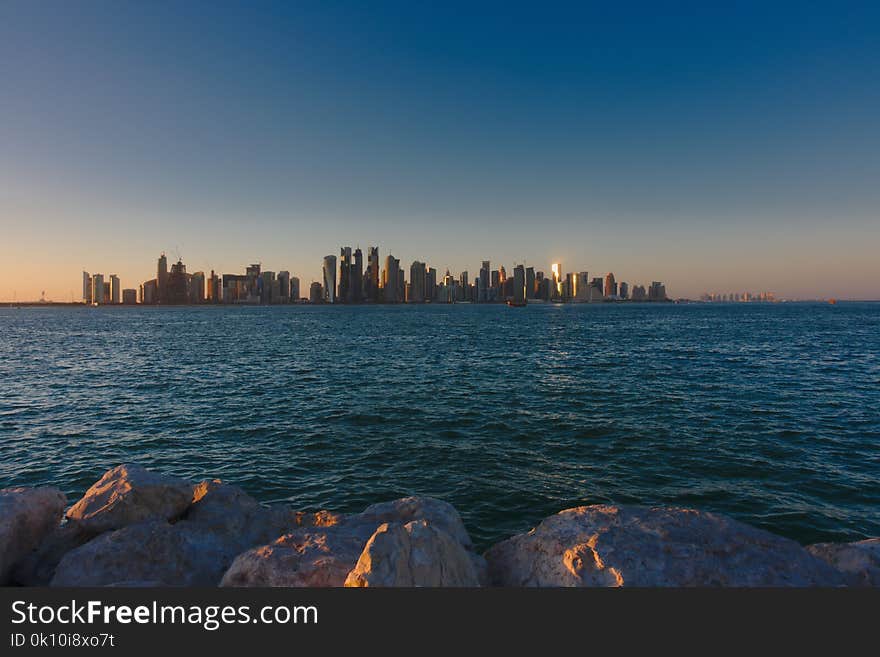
(717,147)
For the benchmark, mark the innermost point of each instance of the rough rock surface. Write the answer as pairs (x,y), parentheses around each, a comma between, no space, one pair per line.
(38,567)
(415,554)
(323,556)
(152,550)
(859,562)
(27,515)
(195,551)
(129,494)
(639,546)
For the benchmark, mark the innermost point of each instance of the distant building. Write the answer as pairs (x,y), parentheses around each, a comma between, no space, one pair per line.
(581,293)
(483,283)
(330,279)
(150,292)
(316,293)
(657,291)
(98,289)
(356,289)
(215,286)
(530,283)
(391,280)
(294,289)
(371,276)
(417,283)
(129,297)
(430,284)
(283,279)
(87,287)
(267,287)
(196,292)
(556,281)
(519,284)
(115,295)
(638,293)
(624,290)
(610,286)
(162,279)
(344,290)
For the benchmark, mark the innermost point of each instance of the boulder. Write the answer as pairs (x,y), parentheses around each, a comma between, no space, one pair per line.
(194,551)
(639,546)
(859,562)
(38,567)
(27,516)
(440,514)
(130,494)
(152,550)
(415,554)
(324,555)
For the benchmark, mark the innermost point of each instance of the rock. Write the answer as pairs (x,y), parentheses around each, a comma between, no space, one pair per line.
(415,554)
(311,556)
(441,515)
(27,516)
(130,494)
(38,567)
(324,555)
(859,562)
(195,551)
(147,551)
(640,546)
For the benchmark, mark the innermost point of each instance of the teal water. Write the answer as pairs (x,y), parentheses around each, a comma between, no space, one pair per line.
(769,413)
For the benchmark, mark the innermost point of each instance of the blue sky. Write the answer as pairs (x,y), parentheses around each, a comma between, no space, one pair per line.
(716,148)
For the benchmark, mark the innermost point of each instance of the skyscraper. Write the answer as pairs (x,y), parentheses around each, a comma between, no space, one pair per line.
(87,287)
(556,284)
(316,293)
(162,279)
(98,289)
(610,286)
(294,289)
(624,290)
(197,287)
(430,284)
(115,290)
(330,279)
(344,294)
(484,282)
(283,279)
(530,283)
(417,282)
(519,284)
(391,279)
(356,289)
(371,282)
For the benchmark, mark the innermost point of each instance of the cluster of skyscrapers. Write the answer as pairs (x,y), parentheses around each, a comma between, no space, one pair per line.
(349,279)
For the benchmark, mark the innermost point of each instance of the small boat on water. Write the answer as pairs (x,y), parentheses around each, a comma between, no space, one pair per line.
(832,301)
(516,304)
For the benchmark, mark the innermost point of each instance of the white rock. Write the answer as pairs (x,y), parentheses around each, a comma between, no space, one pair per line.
(639,546)
(129,494)
(415,554)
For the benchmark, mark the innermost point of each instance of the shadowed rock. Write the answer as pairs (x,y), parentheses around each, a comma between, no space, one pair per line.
(415,554)
(129,494)
(859,562)
(323,556)
(38,567)
(195,551)
(27,516)
(640,546)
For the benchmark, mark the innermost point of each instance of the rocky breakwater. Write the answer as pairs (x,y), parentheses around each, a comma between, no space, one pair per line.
(135,528)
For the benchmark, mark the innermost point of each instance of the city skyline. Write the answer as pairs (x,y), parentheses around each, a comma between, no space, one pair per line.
(355,280)
(719,150)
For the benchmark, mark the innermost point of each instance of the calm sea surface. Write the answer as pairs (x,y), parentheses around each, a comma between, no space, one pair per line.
(770,413)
